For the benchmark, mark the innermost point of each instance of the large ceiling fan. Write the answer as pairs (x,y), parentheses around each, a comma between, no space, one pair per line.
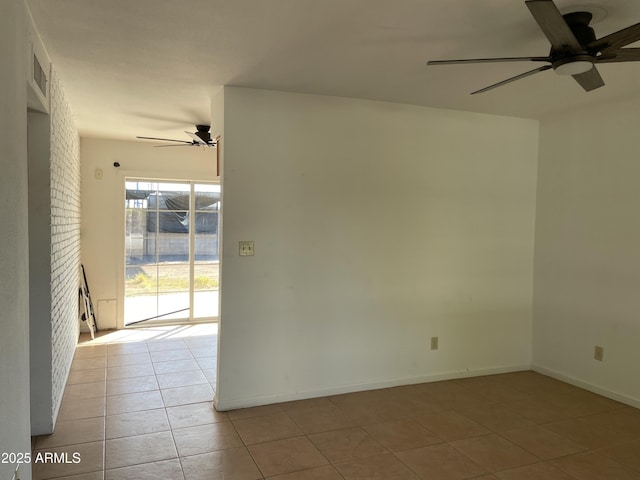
(575,50)
(200,138)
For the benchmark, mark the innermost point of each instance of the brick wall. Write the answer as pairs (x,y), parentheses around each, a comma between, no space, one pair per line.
(65,239)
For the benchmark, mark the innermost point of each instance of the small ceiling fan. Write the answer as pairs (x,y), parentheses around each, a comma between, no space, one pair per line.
(200,138)
(575,50)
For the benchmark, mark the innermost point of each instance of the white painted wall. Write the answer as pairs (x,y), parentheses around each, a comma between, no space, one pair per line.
(587,265)
(40,325)
(102,229)
(376,226)
(14,254)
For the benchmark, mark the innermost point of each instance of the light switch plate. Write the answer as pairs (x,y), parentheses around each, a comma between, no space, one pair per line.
(246,248)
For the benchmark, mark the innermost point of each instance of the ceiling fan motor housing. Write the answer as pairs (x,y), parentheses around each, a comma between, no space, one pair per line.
(203,133)
(568,61)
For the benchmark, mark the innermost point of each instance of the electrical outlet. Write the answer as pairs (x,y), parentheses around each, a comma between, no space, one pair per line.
(598,353)
(434,343)
(246,248)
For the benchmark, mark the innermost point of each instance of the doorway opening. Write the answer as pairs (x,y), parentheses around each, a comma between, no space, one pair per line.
(171,251)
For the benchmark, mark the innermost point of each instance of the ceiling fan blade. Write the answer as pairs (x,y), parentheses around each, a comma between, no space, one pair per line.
(617,39)
(590,80)
(195,137)
(164,139)
(622,55)
(513,79)
(188,144)
(553,25)
(488,60)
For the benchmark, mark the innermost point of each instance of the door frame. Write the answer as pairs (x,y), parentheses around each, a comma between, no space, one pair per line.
(123,176)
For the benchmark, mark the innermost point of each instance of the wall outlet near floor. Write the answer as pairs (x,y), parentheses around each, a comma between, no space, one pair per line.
(598,353)
(434,343)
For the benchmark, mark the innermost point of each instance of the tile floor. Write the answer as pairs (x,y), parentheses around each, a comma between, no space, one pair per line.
(138,406)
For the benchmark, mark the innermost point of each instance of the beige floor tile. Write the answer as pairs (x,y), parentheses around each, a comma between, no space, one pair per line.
(194,414)
(84,476)
(328,472)
(130,371)
(132,385)
(77,459)
(169,344)
(254,411)
(176,366)
(89,363)
(579,403)
(86,376)
(538,411)
(170,355)
(202,341)
(204,351)
(88,351)
(206,438)
(542,442)
(73,432)
(136,423)
(181,379)
(126,348)
(127,451)
(321,419)
(591,432)
(134,402)
(77,409)
(83,391)
(185,395)
(625,422)
(451,426)
(380,467)
(285,456)
(162,470)
(266,428)
(402,435)
(207,362)
(210,374)
(495,417)
(494,453)
(593,466)
(440,461)
(128,359)
(495,392)
(537,471)
(627,454)
(347,444)
(231,464)
(296,405)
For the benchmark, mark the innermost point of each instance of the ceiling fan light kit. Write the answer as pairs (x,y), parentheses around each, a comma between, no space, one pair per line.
(575,49)
(573,66)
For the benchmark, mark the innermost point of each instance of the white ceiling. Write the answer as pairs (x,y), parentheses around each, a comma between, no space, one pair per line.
(150,67)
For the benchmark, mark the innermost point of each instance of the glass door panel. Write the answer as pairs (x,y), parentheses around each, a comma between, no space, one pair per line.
(171,249)
(206,261)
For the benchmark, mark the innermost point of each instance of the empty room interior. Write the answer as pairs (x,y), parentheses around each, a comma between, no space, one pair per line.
(382,242)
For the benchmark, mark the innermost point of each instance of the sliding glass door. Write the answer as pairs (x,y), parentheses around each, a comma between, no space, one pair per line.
(171,250)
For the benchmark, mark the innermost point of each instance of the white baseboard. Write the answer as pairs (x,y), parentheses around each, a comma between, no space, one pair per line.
(246,402)
(619,397)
